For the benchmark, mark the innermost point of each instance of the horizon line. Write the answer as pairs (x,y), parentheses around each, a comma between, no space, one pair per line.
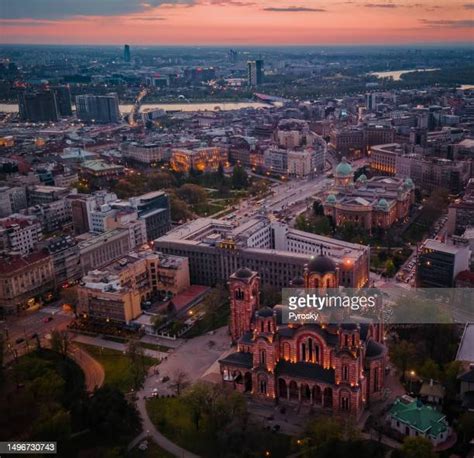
(255,45)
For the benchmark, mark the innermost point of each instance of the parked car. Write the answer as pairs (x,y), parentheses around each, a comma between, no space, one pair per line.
(19,340)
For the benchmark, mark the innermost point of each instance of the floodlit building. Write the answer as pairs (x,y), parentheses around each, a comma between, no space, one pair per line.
(206,159)
(338,368)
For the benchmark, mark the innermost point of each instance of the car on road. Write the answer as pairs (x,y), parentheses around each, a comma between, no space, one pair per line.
(19,340)
(34,336)
(48,319)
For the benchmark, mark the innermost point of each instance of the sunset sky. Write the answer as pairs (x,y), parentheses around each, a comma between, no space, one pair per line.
(239,22)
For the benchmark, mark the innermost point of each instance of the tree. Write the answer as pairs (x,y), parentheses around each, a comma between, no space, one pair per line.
(240,178)
(318,208)
(417,447)
(390,267)
(322,431)
(180,210)
(60,342)
(179,381)
(466,426)
(270,296)
(158,321)
(402,354)
(214,301)
(430,370)
(192,194)
(53,426)
(217,404)
(136,356)
(110,415)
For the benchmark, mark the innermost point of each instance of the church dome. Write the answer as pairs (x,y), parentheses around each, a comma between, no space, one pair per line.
(382,204)
(408,184)
(344,168)
(331,199)
(321,264)
(243,272)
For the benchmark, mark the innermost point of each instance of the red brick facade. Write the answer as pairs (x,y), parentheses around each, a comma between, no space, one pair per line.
(339,368)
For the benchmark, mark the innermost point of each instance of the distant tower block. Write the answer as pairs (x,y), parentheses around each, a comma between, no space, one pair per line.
(126,53)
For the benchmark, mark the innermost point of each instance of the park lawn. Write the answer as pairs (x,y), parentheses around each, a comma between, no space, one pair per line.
(207,209)
(116,366)
(173,419)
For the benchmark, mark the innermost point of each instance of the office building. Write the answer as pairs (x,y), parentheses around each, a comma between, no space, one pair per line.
(216,249)
(40,106)
(255,72)
(40,194)
(63,99)
(439,263)
(154,209)
(148,153)
(19,234)
(12,200)
(24,279)
(64,252)
(461,211)
(98,250)
(100,109)
(117,291)
(126,53)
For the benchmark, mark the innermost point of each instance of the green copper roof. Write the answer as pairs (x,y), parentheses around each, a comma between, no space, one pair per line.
(344,168)
(420,417)
(331,199)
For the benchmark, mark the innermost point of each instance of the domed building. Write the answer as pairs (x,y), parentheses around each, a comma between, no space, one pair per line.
(337,369)
(343,175)
(378,202)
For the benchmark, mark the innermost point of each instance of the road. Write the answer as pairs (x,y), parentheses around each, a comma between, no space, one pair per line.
(93,370)
(34,322)
(284,196)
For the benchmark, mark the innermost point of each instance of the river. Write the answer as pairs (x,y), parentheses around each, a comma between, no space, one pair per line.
(396,74)
(125,109)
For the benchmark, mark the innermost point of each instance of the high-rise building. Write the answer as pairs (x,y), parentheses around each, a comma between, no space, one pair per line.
(38,106)
(439,264)
(63,99)
(101,109)
(255,72)
(126,53)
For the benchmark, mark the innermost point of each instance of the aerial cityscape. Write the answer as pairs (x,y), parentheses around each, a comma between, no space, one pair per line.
(237,229)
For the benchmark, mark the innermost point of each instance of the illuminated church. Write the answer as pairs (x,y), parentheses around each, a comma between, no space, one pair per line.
(336,368)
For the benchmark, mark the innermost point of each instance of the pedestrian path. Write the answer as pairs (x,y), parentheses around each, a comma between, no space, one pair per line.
(99,342)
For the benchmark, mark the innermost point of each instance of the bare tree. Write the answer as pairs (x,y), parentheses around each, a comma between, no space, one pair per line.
(179,381)
(60,342)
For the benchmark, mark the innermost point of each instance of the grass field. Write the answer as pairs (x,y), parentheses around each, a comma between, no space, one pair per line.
(173,419)
(116,366)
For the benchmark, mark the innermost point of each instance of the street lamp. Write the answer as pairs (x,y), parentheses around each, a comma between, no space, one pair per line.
(412,375)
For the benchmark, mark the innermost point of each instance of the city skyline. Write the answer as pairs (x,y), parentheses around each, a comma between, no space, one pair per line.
(221,22)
